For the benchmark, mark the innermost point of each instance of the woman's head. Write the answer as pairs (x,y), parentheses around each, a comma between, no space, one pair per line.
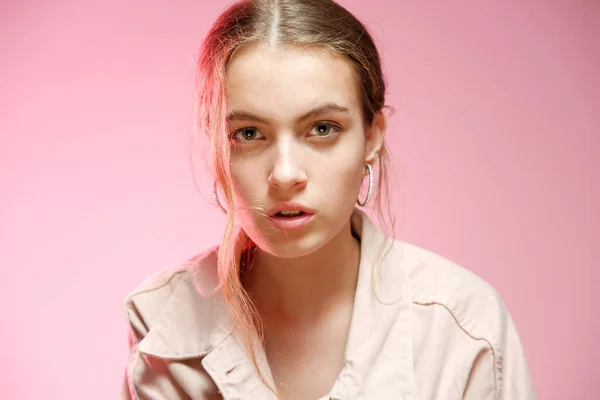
(278,60)
(291,94)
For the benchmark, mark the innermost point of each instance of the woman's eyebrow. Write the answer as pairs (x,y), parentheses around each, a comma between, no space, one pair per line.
(326,108)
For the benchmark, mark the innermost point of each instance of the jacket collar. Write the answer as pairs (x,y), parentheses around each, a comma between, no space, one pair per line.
(194,322)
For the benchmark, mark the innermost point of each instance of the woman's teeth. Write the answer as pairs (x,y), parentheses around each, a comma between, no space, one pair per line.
(289,213)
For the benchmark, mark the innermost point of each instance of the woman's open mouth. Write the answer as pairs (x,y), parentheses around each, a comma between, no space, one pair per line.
(291,220)
(290,214)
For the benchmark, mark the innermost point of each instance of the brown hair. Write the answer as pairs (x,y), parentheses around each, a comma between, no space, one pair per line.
(318,24)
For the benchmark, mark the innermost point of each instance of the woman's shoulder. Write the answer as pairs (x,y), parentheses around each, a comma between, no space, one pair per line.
(460,320)
(436,277)
(168,276)
(149,297)
(437,281)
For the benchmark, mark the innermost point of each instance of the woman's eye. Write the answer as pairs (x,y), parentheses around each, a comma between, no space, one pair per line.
(246,134)
(325,129)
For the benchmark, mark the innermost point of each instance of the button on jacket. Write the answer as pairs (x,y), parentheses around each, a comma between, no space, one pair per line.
(422,328)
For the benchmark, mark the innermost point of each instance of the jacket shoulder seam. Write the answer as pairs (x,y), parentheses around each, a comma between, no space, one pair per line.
(469,334)
(129,307)
(164,276)
(160,285)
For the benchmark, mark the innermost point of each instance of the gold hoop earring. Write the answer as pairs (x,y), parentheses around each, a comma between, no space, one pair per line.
(216,198)
(364,203)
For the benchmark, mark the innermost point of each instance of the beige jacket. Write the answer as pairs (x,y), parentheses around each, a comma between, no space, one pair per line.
(422,328)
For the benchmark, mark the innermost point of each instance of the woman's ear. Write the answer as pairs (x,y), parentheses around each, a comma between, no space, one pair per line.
(375,136)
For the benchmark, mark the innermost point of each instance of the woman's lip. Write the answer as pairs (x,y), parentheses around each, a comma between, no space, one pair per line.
(291,223)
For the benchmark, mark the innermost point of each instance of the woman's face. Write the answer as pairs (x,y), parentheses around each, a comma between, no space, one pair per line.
(298,137)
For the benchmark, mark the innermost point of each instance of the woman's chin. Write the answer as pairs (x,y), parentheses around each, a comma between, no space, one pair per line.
(291,246)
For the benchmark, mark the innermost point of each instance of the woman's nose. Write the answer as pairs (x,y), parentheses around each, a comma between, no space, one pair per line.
(287,171)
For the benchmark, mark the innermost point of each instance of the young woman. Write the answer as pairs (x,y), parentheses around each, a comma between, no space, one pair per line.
(305,297)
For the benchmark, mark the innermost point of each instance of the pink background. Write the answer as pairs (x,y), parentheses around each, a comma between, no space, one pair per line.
(495,139)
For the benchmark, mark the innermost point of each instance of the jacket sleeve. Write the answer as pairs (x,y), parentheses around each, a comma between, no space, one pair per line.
(500,371)
(126,389)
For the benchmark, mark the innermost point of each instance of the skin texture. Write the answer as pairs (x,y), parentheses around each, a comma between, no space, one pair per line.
(303,281)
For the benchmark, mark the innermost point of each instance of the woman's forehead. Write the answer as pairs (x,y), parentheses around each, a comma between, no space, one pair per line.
(267,79)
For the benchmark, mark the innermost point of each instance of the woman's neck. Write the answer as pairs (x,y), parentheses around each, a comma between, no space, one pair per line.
(304,289)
